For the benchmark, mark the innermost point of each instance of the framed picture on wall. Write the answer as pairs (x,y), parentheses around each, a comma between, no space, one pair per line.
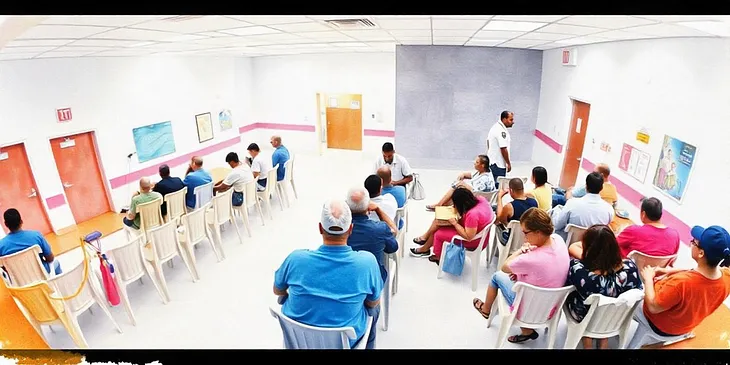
(205,127)
(674,167)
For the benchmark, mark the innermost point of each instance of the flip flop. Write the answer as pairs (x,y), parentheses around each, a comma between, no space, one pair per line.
(419,242)
(479,307)
(434,259)
(522,338)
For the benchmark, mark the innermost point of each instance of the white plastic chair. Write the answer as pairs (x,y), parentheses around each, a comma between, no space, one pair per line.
(607,317)
(531,309)
(644,333)
(473,255)
(488,195)
(175,205)
(250,199)
(25,267)
(288,180)
(220,213)
(389,288)
(150,216)
(402,213)
(194,230)
(67,284)
(203,194)
(269,191)
(575,233)
(502,180)
(642,260)
(302,336)
(165,246)
(514,242)
(129,267)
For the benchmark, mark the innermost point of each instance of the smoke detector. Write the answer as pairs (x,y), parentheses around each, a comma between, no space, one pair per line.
(349,24)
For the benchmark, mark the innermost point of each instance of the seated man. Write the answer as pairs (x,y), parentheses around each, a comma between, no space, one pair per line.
(236,179)
(313,283)
(513,210)
(376,237)
(279,157)
(19,239)
(585,211)
(167,185)
(144,195)
(397,191)
(652,238)
(374,186)
(196,178)
(399,167)
(260,166)
(478,180)
(608,193)
(677,303)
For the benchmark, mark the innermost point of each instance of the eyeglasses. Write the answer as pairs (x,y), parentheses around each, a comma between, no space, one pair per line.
(527,232)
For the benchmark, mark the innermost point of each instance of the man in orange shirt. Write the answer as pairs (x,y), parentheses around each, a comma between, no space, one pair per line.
(676,304)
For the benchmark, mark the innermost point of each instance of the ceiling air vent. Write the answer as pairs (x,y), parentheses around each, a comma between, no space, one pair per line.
(351,23)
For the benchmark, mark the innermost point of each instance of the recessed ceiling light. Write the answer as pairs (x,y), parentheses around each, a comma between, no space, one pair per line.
(718,28)
(513,26)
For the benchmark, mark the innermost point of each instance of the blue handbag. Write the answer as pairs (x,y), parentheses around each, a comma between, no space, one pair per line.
(237,198)
(454,259)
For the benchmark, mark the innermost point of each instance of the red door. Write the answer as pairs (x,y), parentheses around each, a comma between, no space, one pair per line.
(576,142)
(78,167)
(18,189)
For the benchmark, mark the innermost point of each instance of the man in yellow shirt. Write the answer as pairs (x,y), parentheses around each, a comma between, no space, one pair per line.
(609,193)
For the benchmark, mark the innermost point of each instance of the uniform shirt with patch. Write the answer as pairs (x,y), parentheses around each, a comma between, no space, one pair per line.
(497,139)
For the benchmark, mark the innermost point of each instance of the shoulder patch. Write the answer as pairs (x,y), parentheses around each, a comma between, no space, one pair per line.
(504,134)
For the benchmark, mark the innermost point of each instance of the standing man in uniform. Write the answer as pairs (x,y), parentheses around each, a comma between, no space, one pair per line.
(498,146)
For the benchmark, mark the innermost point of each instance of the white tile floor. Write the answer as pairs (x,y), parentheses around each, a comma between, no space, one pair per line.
(228,307)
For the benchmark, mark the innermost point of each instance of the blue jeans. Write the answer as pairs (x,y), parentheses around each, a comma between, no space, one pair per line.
(261,184)
(500,280)
(375,313)
(497,172)
(129,223)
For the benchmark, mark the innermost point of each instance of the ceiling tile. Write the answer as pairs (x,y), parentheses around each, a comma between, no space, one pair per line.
(348,44)
(403,23)
(104,43)
(569,29)
(254,30)
(135,34)
(332,36)
(463,17)
(415,41)
(453,33)
(275,38)
(17,56)
(390,46)
(82,49)
(607,21)
(483,42)
(218,41)
(717,28)
(494,34)
(668,30)
(622,35)
(547,46)
(470,24)
(302,27)
(451,41)
(539,36)
(100,20)
(530,18)
(38,42)
(185,38)
(124,53)
(62,31)
(512,25)
(684,18)
(54,54)
(271,20)
(516,43)
(20,50)
(193,25)
(177,46)
(368,35)
(214,34)
(411,33)
(582,40)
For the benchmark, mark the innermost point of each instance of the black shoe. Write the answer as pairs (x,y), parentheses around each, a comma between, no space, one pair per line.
(414,253)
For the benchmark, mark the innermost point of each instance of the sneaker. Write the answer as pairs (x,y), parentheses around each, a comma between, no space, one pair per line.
(414,253)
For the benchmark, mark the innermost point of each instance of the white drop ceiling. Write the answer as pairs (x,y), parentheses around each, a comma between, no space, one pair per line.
(254,36)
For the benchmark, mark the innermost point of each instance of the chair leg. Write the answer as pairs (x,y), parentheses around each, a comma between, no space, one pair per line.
(638,338)
(474,273)
(294,189)
(503,330)
(246,223)
(552,330)
(278,196)
(151,269)
(261,212)
(189,260)
(219,253)
(125,301)
(268,208)
(72,326)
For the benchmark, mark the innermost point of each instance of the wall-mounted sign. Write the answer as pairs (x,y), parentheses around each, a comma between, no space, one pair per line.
(354,104)
(605,147)
(570,57)
(634,162)
(3,156)
(643,136)
(63,115)
(68,143)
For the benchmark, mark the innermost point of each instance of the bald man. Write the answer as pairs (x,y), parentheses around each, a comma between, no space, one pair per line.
(608,193)
(397,191)
(195,178)
(145,195)
(279,157)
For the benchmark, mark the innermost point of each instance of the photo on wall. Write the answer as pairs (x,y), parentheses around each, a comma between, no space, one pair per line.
(205,127)
(674,167)
(153,141)
(225,119)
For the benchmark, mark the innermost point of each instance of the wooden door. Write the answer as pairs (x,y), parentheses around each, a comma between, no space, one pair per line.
(576,142)
(344,122)
(80,172)
(18,189)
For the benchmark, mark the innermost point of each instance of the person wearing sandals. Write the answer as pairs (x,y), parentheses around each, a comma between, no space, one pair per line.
(597,268)
(475,213)
(478,180)
(543,261)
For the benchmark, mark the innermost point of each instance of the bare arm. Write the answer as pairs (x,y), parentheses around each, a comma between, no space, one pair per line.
(280,292)
(576,250)
(467,233)
(647,276)
(384,217)
(503,211)
(221,187)
(505,267)
(372,304)
(505,155)
(403,181)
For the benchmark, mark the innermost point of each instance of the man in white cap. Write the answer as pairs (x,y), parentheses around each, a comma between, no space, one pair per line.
(312,283)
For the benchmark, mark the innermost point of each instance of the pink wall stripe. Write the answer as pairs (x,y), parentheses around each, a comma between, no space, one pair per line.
(279,126)
(55,201)
(378,133)
(179,160)
(549,141)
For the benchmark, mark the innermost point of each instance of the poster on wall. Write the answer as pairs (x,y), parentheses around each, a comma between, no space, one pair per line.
(634,162)
(225,119)
(153,141)
(205,127)
(674,167)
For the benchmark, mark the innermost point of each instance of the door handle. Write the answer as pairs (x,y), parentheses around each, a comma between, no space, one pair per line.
(33,193)
(578,158)
(67,185)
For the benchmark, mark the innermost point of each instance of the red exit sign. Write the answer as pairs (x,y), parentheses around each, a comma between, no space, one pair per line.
(63,115)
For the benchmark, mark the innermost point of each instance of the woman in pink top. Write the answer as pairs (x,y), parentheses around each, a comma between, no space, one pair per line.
(652,238)
(542,261)
(476,213)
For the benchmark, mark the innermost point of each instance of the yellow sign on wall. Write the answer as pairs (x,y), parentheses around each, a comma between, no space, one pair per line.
(642,137)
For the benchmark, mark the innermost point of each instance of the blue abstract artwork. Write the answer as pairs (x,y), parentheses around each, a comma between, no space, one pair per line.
(153,141)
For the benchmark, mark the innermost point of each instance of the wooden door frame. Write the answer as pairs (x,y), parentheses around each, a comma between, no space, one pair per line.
(573,108)
(46,212)
(100,164)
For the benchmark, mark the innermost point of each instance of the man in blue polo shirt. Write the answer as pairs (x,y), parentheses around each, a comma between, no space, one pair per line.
(195,178)
(279,157)
(397,191)
(18,240)
(332,286)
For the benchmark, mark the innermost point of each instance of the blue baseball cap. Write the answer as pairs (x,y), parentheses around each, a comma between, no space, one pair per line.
(714,240)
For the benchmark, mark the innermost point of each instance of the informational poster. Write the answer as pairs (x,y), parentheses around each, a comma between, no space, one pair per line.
(634,162)
(205,127)
(225,119)
(153,141)
(674,167)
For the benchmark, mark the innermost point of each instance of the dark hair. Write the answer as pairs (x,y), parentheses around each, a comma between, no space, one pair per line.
(484,160)
(594,183)
(373,183)
(463,200)
(537,220)
(253,147)
(232,157)
(652,207)
(12,219)
(516,184)
(505,114)
(600,249)
(388,147)
(539,173)
(164,170)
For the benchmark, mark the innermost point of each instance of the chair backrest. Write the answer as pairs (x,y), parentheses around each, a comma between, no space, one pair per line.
(223,205)
(249,194)
(24,267)
(203,194)
(516,237)
(488,195)
(535,305)
(642,260)
(271,175)
(164,240)
(175,203)
(68,283)
(302,336)
(37,301)
(606,315)
(289,169)
(150,215)
(484,234)
(194,223)
(575,233)
(502,180)
(127,259)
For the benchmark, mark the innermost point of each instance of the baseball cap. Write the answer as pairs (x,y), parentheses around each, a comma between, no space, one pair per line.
(714,240)
(336,217)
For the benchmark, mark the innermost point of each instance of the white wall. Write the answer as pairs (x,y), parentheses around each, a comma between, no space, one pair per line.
(679,87)
(112,96)
(285,89)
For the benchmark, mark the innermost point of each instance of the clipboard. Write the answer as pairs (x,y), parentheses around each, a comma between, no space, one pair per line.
(444,213)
